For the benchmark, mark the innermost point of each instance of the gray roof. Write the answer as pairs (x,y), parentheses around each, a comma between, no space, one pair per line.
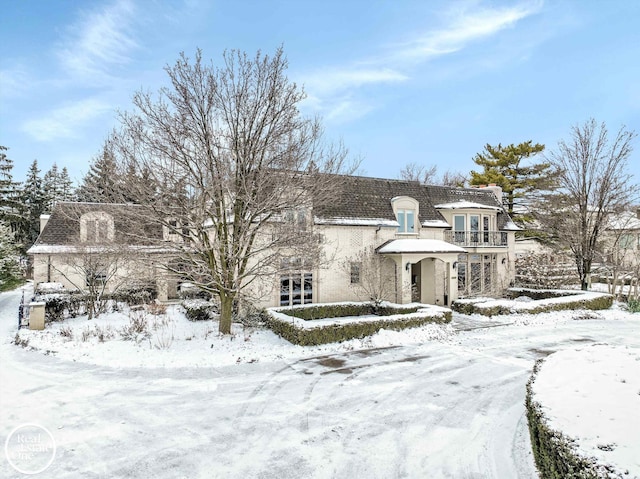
(63,227)
(370,198)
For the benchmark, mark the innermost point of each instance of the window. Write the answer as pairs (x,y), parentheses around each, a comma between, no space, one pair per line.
(486,228)
(626,241)
(476,273)
(355,273)
(296,288)
(96,227)
(474,226)
(296,217)
(459,227)
(406,221)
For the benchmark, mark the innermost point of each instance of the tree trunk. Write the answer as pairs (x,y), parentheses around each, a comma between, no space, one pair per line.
(226,313)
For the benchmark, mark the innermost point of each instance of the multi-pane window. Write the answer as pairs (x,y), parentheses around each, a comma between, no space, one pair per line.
(476,273)
(96,227)
(296,217)
(406,221)
(627,241)
(355,273)
(296,288)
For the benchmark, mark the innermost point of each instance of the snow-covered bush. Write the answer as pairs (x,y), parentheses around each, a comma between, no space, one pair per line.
(199,309)
(579,404)
(138,327)
(358,322)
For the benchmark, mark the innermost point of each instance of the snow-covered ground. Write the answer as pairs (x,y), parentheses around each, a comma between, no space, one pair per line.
(592,395)
(437,402)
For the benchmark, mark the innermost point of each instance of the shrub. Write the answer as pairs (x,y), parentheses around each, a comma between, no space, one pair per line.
(555,454)
(134,295)
(401,318)
(138,327)
(634,305)
(199,309)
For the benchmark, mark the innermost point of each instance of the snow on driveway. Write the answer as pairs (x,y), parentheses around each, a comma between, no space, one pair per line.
(449,408)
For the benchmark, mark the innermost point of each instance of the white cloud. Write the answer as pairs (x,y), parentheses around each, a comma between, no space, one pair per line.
(337,80)
(99,40)
(464,26)
(66,122)
(334,91)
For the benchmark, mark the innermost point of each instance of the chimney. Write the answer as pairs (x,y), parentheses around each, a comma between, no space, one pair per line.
(44,219)
(497,190)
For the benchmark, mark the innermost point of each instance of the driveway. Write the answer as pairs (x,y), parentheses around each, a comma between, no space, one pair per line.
(437,410)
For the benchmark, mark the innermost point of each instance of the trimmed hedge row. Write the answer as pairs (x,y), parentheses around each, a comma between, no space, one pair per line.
(580,300)
(555,454)
(344,331)
(324,311)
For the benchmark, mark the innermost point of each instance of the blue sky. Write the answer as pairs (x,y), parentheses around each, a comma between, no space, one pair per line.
(398,81)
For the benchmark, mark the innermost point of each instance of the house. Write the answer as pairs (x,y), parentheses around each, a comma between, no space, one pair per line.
(381,239)
(83,244)
(622,240)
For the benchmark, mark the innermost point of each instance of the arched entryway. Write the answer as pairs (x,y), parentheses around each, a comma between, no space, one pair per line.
(424,269)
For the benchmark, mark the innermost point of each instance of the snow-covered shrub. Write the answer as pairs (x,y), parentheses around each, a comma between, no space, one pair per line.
(308,332)
(135,295)
(191,291)
(634,305)
(138,327)
(66,332)
(543,301)
(199,309)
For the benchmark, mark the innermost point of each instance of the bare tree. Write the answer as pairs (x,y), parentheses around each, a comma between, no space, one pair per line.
(428,175)
(593,184)
(236,170)
(373,275)
(95,271)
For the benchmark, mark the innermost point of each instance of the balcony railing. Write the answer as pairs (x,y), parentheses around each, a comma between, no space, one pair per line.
(476,239)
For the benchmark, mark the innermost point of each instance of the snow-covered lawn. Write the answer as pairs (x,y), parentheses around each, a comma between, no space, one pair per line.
(592,395)
(173,341)
(437,402)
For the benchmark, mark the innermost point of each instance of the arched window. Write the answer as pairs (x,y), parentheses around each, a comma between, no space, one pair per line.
(96,227)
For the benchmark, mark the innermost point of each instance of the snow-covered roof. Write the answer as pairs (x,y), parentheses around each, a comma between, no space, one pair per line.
(625,221)
(356,221)
(415,245)
(467,205)
(93,249)
(511,226)
(435,224)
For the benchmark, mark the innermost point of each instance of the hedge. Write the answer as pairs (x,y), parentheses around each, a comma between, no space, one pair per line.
(282,321)
(556,455)
(542,301)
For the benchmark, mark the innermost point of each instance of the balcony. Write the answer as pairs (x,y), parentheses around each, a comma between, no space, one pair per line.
(476,239)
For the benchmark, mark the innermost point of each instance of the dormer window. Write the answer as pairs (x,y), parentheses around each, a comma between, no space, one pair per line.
(96,227)
(406,211)
(406,221)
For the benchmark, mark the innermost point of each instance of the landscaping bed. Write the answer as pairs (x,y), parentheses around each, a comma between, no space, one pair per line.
(580,404)
(523,300)
(335,322)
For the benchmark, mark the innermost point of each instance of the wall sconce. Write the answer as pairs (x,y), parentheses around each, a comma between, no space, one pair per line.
(407,266)
(504,260)
(455,264)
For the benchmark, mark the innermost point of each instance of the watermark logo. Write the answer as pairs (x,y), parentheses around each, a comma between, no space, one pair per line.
(30,448)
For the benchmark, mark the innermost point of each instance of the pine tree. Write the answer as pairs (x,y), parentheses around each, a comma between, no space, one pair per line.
(67,191)
(33,205)
(57,187)
(10,273)
(502,166)
(8,190)
(101,183)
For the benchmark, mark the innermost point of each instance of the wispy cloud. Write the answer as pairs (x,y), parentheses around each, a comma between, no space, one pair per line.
(464,27)
(67,121)
(335,91)
(100,40)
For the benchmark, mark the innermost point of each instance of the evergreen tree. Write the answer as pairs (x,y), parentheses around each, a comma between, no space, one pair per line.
(502,165)
(10,273)
(33,205)
(67,191)
(8,190)
(57,187)
(101,183)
